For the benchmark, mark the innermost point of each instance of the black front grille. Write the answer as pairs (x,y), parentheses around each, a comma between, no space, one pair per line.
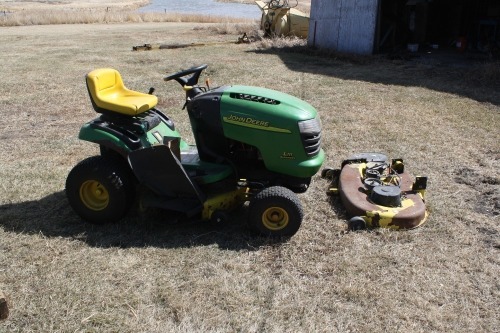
(310,132)
(312,143)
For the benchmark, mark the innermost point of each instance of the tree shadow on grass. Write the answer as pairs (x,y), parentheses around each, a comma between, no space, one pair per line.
(52,216)
(468,76)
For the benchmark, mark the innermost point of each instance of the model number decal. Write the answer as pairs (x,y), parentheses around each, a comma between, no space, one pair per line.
(287,156)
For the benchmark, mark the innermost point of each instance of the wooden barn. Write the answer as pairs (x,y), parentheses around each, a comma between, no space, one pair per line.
(372,26)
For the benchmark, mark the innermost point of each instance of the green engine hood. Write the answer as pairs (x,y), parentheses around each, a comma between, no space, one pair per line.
(269,120)
(266,104)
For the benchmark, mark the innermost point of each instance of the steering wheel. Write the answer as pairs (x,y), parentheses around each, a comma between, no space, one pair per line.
(190,81)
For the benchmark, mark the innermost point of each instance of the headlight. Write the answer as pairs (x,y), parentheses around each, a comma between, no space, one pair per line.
(310,126)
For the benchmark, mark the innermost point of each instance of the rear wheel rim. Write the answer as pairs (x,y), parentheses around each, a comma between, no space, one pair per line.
(275,218)
(94,195)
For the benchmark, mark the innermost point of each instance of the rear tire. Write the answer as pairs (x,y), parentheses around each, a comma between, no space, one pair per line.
(275,211)
(100,190)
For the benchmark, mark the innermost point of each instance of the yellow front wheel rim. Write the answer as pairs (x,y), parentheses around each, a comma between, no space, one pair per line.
(275,218)
(94,195)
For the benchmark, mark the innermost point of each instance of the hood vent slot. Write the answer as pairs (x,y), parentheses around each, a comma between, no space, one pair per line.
(254,98)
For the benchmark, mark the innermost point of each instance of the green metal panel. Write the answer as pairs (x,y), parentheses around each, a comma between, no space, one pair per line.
(212,172)
(148,139)
(87,133)
(151,138)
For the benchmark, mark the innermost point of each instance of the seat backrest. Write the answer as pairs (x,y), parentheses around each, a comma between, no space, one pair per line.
(100,82)
(110,96)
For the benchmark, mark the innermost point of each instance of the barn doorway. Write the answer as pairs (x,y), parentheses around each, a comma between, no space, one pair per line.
(464,25)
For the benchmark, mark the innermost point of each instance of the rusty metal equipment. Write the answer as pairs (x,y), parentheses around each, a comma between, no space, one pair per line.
(378,193)
(279,18)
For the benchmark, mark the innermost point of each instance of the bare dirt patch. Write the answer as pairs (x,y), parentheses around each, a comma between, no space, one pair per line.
(487,200)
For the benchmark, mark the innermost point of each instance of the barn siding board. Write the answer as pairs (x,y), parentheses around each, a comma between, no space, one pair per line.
(344,25)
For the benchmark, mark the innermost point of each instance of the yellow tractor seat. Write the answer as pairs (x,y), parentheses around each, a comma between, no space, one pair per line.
(108,93)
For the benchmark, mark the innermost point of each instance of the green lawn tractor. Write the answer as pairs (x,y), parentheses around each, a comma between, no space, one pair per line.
(252,144)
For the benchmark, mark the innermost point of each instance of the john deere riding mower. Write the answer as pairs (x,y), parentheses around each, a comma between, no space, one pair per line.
(252,144)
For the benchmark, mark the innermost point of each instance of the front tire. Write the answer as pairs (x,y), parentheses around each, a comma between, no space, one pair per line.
(275,211)
(356,223)
(100,189)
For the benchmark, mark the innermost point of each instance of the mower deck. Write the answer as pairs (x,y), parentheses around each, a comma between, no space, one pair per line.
(378,193)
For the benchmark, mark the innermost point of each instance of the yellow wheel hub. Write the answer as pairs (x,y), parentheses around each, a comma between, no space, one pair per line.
(94,195)
(275,218)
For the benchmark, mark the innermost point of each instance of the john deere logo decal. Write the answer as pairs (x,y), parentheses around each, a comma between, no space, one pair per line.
(253,123)
(248,120)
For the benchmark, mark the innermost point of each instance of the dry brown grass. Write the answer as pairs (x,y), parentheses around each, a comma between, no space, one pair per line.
(20,5)
(232,29)
(89,16)
(302,5)
(110,11)
(146,275)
